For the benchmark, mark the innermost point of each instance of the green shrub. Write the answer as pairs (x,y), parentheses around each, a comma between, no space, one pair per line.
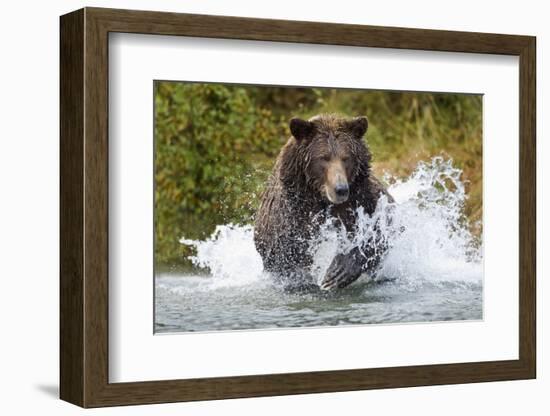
(205,135)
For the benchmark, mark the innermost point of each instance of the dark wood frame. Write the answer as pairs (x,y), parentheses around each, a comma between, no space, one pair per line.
(84,208)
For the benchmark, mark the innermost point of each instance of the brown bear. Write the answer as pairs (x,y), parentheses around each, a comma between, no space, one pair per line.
(322,172)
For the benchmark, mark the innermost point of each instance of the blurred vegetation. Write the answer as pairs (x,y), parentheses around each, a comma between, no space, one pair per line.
(215,145)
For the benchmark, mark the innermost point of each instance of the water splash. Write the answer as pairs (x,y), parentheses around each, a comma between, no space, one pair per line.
(428,235)
(229,254)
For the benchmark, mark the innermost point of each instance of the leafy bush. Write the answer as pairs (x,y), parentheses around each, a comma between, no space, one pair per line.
(204,136)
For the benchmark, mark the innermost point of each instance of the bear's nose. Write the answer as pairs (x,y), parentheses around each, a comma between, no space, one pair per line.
(342,190)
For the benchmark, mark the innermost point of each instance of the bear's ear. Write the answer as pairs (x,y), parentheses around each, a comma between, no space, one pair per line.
(358,126)
(301,129)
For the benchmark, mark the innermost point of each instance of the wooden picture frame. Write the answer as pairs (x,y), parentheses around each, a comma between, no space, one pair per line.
(84,207)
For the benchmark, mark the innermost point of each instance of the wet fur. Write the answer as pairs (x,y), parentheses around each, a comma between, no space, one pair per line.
(293,206)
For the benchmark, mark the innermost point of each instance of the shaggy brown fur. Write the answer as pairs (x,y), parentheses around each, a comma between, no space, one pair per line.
(323,171)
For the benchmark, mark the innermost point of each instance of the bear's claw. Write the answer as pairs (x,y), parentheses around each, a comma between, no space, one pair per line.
(344,269)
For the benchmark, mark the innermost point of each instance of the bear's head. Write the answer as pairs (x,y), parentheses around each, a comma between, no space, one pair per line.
(329,154)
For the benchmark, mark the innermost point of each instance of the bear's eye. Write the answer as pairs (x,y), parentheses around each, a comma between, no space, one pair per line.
(326,158)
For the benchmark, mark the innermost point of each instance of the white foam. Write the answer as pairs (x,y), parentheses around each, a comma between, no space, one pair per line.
(230,255)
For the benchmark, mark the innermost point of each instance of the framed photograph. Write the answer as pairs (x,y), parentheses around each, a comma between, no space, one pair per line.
(255,207)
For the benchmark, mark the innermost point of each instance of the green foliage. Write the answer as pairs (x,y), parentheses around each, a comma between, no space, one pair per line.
(215,145)
(205,134)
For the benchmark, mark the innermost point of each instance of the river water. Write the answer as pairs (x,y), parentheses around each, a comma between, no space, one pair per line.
(433,270)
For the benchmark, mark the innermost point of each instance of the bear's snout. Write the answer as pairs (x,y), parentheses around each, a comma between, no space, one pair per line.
(336,185)
(342,190)
(339,193)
